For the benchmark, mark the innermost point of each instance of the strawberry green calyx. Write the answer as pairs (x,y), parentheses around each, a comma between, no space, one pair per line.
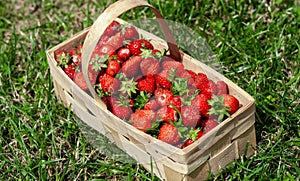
(179,86)
(99,62)
(141,100)
(218,108)
(123,101)
(63,60)
(128,86)
(146,53)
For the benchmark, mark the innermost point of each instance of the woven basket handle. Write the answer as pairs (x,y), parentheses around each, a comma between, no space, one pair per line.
(104,20)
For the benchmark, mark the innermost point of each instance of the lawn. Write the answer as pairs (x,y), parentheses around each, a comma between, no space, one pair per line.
(257,43)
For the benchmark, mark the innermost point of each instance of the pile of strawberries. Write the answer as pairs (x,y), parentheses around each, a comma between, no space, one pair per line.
(149,89)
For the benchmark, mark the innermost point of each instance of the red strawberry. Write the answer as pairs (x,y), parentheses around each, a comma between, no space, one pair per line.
(59,53)
(222,88)
(231,102)
(169,134)
(172,64)
(124,53)
(186,75)
(130,33)
(199,134)
(72,51)
(200,101)
(103,40)
(113,28)
(149,65)
(135,47)
(108,83)
(146,44)
(167,114)
(190,115)
(192,73)
(176,101)
(208,88)
(152,105)
(188,142)
(162,81)
(132,66)
(200,79)
(80,81)
(70,71)
(141,119)
(104,50)
(113,67)
(209,124)
(116,40)
(157,53)
(147,84)
(194,136)
(120,108)
(163,96)
(62,58)
(76,59)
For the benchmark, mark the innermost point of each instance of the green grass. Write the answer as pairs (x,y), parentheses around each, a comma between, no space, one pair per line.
(257,42)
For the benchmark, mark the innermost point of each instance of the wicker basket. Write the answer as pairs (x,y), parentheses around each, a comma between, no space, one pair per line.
(213,151)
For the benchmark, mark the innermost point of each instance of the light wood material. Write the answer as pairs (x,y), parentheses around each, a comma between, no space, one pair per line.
(213,151)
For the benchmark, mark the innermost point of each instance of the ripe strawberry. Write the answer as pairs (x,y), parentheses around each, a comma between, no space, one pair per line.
(200,101)
(58,55)
(113,67)
(72,51)
(149,65)
(80,81)
(136,46)
(167,114)
(130,33)
(62,58)
(190,115)
(76,59)
(103,40)
(157,53)
(97,64)
(172,64)
(152,105)
(231,102)
(200,79)
(176,102)
(70,71)
(108,83)
(209,124)
(186,75)
(104,50)
(146,44)
(162,81)
(116,40)
(222,88)
(163,96)
(169,134)
(188,142)
(132,66)
(147,84)
(192,73)
(199,134)
(141,119)
(192,137)
(121,108)
(124,53)
(208,88)
(113,28)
